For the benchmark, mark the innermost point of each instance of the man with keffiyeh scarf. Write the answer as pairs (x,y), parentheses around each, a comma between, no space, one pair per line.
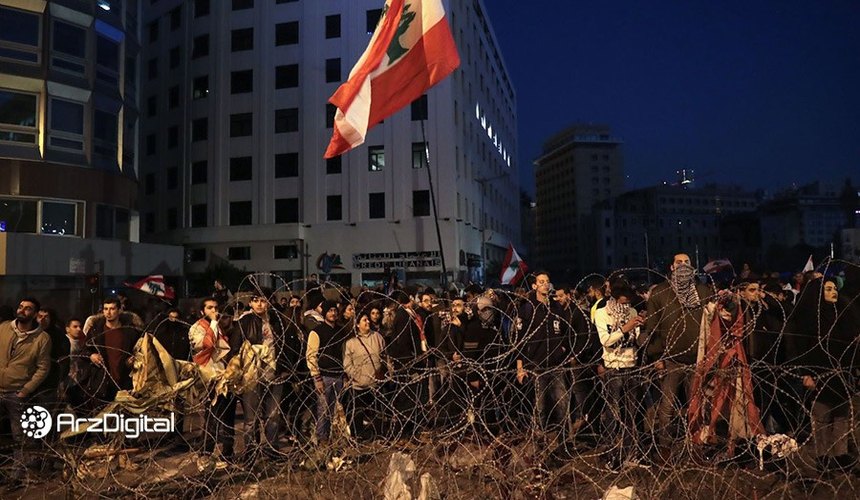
(674,317)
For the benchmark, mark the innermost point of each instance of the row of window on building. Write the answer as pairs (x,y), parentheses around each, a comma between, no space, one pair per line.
(61,218)
(285,33)
(286,211)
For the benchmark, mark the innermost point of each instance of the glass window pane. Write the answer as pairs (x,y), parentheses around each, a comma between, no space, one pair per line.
(17,216)
(70,39)
(107,53)
(58,218)
(67,116)
(104,126)
(122,231)
(19,27)
(17,109)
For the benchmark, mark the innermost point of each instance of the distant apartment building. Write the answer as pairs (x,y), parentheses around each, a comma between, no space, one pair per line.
(646,227)
(236,120)
(579,168)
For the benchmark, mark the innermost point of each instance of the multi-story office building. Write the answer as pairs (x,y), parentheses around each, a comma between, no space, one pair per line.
(646,227)
(68,149)
(579,167)
(236,120)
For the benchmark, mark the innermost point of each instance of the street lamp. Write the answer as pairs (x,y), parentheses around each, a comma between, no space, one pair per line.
(483,182)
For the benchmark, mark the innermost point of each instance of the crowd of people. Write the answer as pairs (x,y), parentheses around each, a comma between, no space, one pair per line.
(630,368)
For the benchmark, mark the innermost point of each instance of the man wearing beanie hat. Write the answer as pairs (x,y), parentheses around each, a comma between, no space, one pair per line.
(325,362)
(314,315)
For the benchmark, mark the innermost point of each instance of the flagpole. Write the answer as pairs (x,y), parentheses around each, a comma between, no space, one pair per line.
(433,202)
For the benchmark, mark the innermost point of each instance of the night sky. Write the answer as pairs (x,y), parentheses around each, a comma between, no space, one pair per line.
(762,94)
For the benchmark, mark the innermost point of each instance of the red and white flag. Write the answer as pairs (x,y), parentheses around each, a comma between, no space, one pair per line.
(717,265)
(154,285)
(411,50)
(513,269)
(809,265)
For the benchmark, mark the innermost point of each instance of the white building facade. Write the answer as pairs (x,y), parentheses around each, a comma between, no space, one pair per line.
(235,121)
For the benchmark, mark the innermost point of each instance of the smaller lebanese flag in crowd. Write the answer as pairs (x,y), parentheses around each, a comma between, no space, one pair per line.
(809,265)
(513,269)
(717,265)
(411,50)
(154,285)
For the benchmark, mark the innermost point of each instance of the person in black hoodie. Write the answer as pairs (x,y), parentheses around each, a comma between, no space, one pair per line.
(404,347)
(263,325)
(583,355)
(822,348)
(545,350)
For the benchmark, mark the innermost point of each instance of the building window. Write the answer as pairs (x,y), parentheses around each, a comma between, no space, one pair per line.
(286,76)
(240,213)
(199,129)
(175,55)
(201,8)
(172,218)
(150,144)
(332,26)
(152,68)
(149,183)
(330,112)
(173,97)
(200,46)
(197,255)
(241,168)
(69,48)
(333,207)
(420,203)
(373,17)
(419,155)
(332,70)
(176,18)
(172,178)
(286,252)
(334,165)
(242,82)
(239,253)
(242,39)
(105,133)
(172,137)
(59,218)
(67,124)
(419,108)
(286,120)
(376,203)
(200,87)
(18,113)
(286,165)
(376,158)
(241,124)
(287,33)
(152,106)
(243,4)
(19,216)
(198,215)
(20,36)
(112,222)
(199,172)
(149,222)
(286,210)
(153,31)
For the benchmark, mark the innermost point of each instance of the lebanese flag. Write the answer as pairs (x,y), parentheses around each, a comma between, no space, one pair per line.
(717,265)
(154,285)
(513,269)
(809,265)
(411,50)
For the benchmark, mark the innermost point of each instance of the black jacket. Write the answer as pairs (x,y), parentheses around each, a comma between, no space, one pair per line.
(404,345)
(544,334)
(287,345)
(173,336)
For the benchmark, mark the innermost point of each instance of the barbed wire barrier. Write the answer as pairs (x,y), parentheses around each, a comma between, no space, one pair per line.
(752,412)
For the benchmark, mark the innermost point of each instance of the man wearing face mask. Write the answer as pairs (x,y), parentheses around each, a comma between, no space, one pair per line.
(674,317)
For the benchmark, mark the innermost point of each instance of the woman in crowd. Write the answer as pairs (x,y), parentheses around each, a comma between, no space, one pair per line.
(364,367)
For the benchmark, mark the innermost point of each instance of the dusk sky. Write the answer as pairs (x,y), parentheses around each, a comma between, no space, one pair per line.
(763,94)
